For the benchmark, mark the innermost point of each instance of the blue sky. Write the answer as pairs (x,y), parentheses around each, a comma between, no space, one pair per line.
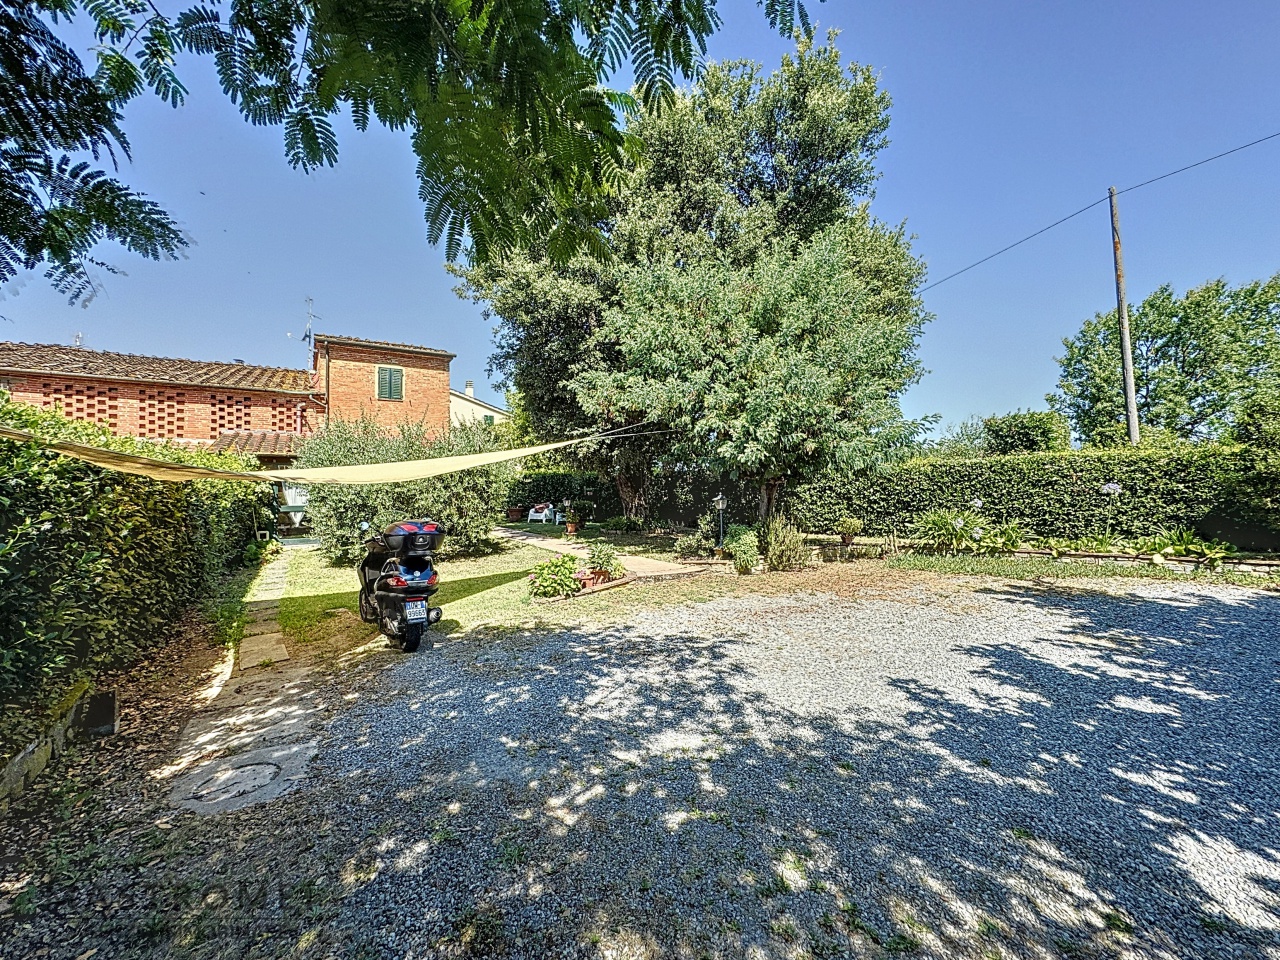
(1006,116)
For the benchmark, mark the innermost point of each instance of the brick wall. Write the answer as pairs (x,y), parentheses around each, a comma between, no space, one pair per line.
(161,411)
(351,379)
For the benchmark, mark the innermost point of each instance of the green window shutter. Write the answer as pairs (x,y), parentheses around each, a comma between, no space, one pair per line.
(390,383)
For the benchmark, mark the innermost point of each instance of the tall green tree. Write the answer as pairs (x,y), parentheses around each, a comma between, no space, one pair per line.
(1197,359)
(502,100)
(772,371)
(741,176)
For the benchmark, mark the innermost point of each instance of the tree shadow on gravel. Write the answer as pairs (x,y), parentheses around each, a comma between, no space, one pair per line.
(1061,775)
(1094,793)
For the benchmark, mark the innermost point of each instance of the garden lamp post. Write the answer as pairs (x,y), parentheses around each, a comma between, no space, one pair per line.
(720,503)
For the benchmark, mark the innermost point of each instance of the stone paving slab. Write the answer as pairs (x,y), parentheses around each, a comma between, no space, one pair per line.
(253,730)
(243,779)
(250,724)
(254,650)
(265,687)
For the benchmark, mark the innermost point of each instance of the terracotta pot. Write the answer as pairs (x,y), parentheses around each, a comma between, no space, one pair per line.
(570,527)
(600,576)
(515,513)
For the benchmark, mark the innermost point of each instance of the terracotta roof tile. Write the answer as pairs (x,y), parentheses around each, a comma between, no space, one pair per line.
(267,443)
(51,358)
(384,344)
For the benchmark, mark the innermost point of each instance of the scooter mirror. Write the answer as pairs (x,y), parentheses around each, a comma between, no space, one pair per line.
(364,524)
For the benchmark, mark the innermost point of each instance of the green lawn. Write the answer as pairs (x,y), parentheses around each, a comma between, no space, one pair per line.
(480,595)
(489,596)
(660,546)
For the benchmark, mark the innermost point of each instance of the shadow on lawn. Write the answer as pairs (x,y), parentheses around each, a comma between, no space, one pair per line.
(452,591)
(650,797)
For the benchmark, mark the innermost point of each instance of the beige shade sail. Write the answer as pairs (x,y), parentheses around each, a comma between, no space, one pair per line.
(397,472)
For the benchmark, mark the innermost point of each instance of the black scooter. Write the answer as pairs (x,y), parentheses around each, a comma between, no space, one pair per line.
(397,580)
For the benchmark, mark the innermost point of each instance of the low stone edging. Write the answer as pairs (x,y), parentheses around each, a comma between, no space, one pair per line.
(587,591)
(80,712)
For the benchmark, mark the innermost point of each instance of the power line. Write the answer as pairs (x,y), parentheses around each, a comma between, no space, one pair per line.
(1056,223)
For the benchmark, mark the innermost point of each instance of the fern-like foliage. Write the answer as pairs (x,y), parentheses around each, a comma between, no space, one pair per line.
(518,140)
(57,124)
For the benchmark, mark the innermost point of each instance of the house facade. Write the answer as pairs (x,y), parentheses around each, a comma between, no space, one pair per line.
(391,383)
(236,406)
(465,407)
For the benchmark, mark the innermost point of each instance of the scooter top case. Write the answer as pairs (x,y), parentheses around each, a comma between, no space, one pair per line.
(413,538)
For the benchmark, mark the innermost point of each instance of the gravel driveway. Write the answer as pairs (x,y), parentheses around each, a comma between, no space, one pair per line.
(990,771)
(947,768)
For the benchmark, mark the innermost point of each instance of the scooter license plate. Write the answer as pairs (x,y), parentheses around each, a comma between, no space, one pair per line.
(415,611)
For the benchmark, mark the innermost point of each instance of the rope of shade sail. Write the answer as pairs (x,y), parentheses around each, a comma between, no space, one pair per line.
(357,474)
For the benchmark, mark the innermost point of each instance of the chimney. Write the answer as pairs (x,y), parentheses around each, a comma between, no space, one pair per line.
(470,388)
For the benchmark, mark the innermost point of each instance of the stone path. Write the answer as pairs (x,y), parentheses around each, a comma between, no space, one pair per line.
(253,739)
(643,568)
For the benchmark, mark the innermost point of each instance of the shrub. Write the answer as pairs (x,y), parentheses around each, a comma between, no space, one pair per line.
(555,578)
(692,545)
(1055,494)
(1259,429)
(949,531)
(602,556)
(1001,537)
(743,545)
(468,503)
(783,545)
(703,543)
(1030,431)
(96,565)
(259,552)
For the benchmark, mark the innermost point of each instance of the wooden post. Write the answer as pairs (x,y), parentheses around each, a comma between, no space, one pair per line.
(1122,311)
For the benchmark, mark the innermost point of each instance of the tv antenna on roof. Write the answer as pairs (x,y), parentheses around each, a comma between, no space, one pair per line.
(306,334)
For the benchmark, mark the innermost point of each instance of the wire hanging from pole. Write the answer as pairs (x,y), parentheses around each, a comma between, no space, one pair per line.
(1070,216)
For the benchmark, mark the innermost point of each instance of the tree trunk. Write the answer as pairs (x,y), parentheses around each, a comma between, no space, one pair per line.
(634,496)
(768,499)
(633,474)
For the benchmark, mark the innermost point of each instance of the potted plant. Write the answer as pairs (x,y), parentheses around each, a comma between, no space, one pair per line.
(848,528)
(515,513)
(604,564)
(572,520)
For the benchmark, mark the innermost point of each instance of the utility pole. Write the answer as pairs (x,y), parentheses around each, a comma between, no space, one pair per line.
(1122,311)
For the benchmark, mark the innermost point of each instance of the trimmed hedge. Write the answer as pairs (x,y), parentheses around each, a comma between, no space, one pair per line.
(1206,488)
(556,486)
(96,566)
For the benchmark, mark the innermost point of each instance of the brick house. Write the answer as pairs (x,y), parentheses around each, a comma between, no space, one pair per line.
(392,383)
(234,406)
